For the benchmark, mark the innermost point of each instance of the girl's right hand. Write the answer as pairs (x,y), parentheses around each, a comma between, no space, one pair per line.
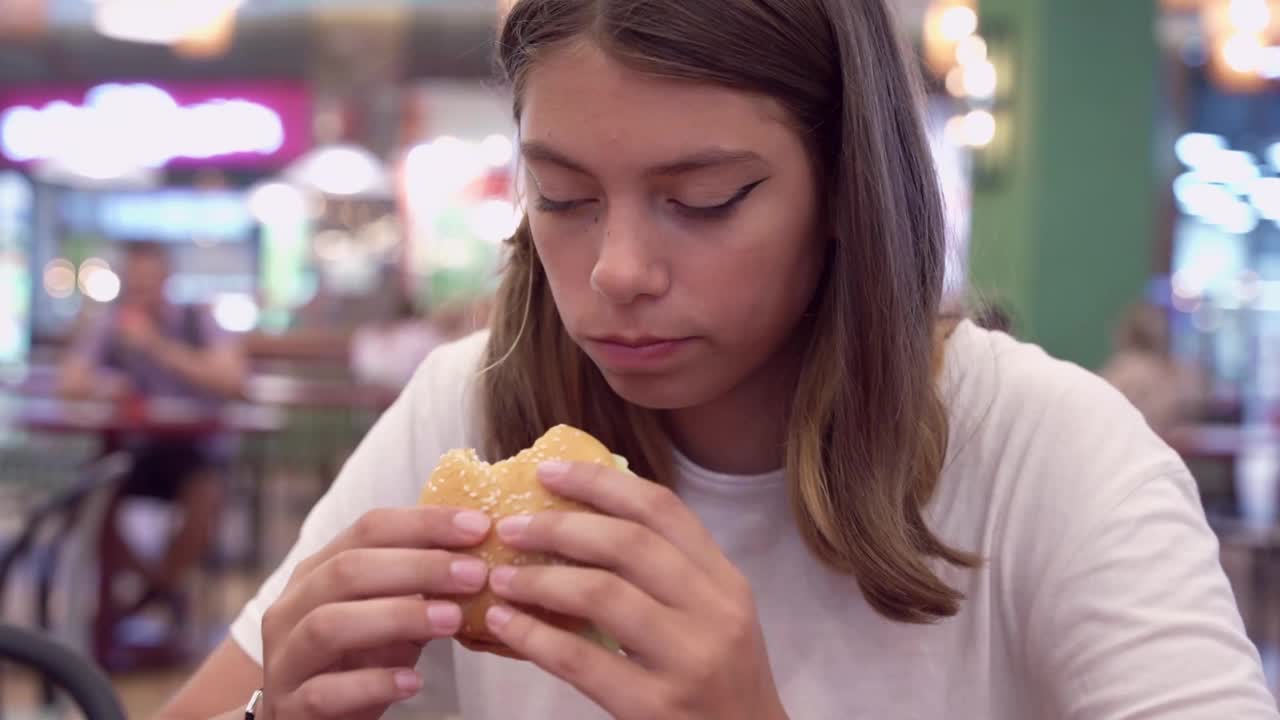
(343,638)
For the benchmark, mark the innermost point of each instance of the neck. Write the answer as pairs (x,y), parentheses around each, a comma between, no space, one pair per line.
(743,432)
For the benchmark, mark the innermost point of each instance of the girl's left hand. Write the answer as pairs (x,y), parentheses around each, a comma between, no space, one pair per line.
(657,583)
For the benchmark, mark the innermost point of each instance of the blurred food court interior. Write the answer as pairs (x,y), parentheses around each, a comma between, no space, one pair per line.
(230,230)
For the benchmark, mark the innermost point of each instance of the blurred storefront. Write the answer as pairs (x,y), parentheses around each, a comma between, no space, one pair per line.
(1221,160)
(313,166)
(121,162)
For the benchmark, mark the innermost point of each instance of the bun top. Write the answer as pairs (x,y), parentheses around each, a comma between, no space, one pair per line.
(511,487)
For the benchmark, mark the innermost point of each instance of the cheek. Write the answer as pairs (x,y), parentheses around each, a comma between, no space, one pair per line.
(567,257)
(761,284)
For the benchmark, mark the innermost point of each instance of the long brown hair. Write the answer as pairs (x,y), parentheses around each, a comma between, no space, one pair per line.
(867,432)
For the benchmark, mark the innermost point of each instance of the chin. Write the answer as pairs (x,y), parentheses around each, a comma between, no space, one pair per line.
(658,392)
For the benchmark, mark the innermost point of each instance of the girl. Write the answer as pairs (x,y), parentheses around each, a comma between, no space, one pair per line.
(730,273)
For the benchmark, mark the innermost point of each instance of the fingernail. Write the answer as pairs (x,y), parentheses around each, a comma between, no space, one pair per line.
(471,522)
(444,619)
(498,616)
(553,470)
(513,527)
(407,681)
(470,574)
(500,578)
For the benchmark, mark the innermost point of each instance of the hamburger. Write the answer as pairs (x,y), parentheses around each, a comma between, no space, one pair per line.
(504,489)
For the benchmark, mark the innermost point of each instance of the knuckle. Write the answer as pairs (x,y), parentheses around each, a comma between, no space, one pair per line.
(737,592)
(660,503)
(521,633)
(411,616)
(638,539)
(303,569)
(572,661)
(319,627)
(738,628)
(594,473)
(366,528)
(344,569)
(310,701)
(433,566)
(547,526)
(666,703)
(271,620)
(599,590)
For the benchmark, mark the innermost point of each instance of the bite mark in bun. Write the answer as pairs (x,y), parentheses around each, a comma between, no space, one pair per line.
(504,489)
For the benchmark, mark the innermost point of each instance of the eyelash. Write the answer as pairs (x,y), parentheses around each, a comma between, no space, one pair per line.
(721,211)
(715,212)
(559,206)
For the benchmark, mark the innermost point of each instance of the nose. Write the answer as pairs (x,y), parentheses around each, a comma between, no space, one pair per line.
(628,266)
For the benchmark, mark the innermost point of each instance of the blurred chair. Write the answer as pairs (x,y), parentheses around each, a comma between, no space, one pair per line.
(49,527)
(60,667)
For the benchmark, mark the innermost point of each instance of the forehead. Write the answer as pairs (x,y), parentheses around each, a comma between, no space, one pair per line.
(582,102)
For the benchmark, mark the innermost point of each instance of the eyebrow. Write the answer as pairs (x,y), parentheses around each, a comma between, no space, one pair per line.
(701,160)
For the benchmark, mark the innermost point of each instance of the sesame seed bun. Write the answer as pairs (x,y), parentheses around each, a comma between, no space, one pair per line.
(500,490)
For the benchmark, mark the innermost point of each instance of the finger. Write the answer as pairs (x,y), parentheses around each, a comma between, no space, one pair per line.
(342,695)
(612,681)
(330,631)
(405,527)
(639,623)
(633,551)
(626,496)
(381,572)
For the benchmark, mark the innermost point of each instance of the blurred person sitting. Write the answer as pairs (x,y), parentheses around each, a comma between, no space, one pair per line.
(387,353)
(1169,393)
(146,348)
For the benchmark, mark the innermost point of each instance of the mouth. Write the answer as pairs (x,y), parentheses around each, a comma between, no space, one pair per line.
(637,353)
(636,342)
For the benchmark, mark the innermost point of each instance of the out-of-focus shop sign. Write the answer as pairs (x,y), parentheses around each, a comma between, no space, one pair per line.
(123,126)
(23,18)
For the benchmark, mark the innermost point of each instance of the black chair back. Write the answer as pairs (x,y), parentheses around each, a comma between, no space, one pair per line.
(80,678)
(45,530)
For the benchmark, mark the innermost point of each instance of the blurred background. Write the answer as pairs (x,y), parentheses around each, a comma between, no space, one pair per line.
(230,229)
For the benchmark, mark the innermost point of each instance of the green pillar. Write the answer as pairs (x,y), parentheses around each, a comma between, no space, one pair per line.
(1063,229)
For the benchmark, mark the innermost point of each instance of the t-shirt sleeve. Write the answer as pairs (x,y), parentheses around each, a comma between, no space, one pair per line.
(386,470)
(367,481)
(1135,618)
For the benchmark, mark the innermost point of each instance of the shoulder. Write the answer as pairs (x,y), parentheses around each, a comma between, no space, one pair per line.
(1043,446)
(450,370)
(995,385)
(443,397)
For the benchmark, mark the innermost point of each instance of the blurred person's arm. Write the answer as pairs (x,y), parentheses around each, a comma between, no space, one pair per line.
(80,371)
(219,366)
(220,688)
(221,369)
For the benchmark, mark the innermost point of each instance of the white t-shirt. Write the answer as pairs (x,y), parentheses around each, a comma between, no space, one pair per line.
(1102,596)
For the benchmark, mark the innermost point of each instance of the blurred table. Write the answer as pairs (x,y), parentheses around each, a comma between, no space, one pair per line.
(161,417)
(1230,447)
(288,391)
(278,389)
(171,418)
(1221,442)
(1261,545)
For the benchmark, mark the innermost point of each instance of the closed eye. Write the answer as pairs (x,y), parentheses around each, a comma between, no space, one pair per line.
(716,212)
(548,205)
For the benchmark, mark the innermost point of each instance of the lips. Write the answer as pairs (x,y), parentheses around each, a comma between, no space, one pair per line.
(635,342)
(636,353)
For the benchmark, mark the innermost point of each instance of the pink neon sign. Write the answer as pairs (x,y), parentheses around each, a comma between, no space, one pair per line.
(232,125)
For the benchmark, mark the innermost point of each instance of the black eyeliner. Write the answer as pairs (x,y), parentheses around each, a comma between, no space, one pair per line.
(718,211)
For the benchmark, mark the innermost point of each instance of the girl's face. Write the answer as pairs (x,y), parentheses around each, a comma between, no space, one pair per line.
(677,224)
